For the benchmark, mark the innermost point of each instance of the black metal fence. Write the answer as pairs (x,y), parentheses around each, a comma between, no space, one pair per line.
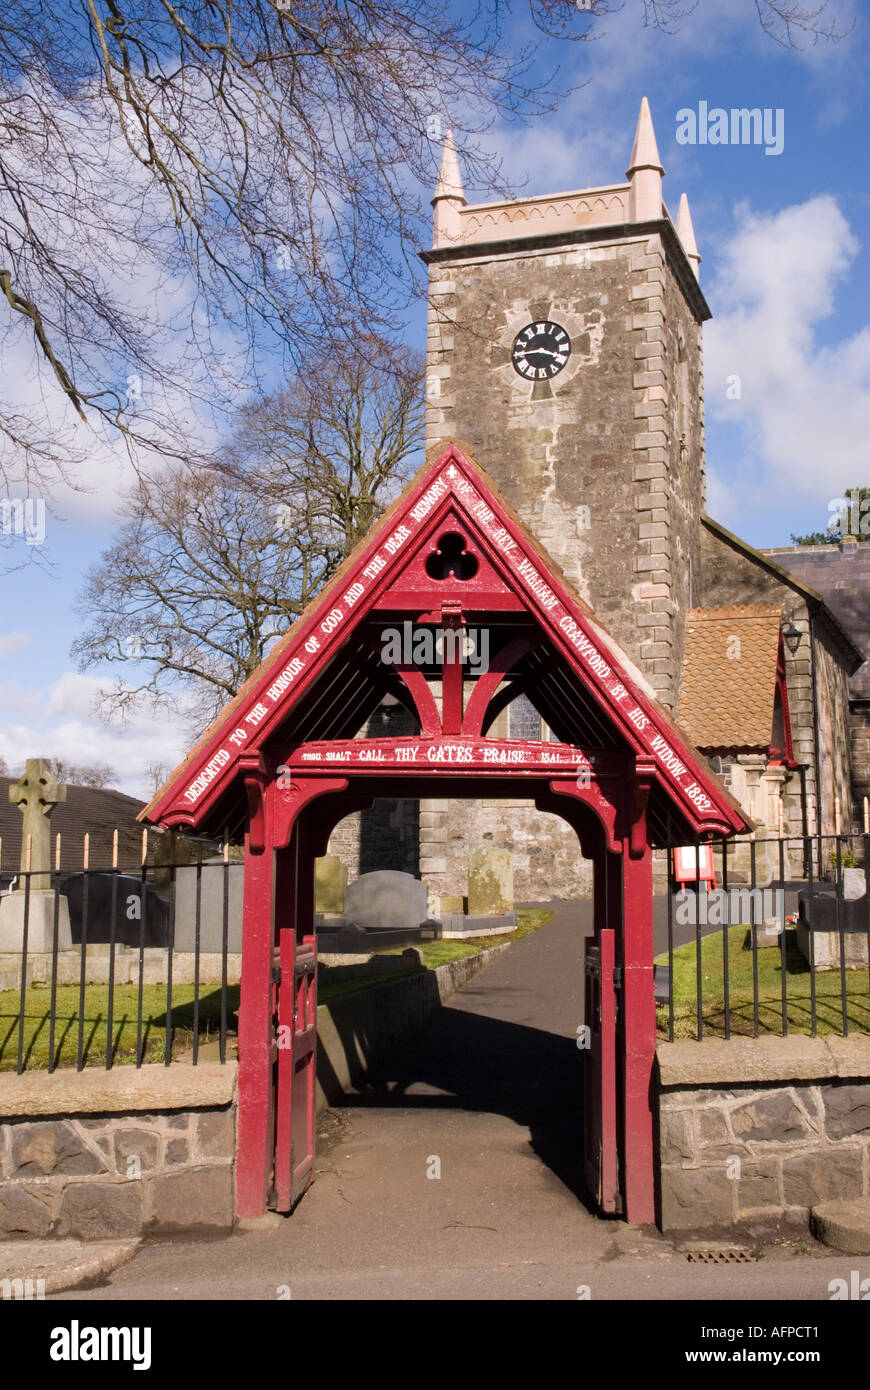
(775,940)
(108,966)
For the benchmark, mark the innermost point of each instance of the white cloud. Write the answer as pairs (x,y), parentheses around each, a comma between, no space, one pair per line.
(62,723)
(804,412)
(12,642)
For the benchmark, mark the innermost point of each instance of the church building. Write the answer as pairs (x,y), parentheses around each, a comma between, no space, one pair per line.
(565,353)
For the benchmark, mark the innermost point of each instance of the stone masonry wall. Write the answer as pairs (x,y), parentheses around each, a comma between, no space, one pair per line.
(760,1154)
(727,576)
(860,718)
(98,1177)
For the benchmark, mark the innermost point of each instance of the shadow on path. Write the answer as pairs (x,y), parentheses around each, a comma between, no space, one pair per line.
(506,1044)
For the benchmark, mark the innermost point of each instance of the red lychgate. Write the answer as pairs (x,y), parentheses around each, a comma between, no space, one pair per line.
(285,762)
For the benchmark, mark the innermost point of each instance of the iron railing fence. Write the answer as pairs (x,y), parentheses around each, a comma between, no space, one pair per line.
(110,965)
(776,940)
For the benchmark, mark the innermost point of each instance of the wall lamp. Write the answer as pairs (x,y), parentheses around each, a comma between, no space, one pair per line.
(792,636)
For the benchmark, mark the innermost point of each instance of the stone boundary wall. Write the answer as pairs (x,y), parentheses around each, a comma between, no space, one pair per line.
(98,1155)
(754,1132)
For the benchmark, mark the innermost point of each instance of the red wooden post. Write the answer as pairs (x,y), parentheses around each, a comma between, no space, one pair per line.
(256,1041)
(638,1036)
(601,1112)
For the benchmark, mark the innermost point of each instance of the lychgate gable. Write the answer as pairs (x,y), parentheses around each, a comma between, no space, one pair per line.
(449,555)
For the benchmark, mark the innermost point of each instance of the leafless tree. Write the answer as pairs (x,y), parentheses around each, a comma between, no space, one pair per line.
(188,187)
(157,774)
(791,26)
(213,563)
(99,775)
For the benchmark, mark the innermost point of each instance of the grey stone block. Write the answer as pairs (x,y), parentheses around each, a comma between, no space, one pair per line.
(135,1143)
(51,1147)
(676,1142)
(196,1197)
(23,1213)
(818,1177)
(696,1198)
(216,1133)
(771,1117)
(177,1152)
(847,1110)
(758,1186)
(100,1211)
(712,1127)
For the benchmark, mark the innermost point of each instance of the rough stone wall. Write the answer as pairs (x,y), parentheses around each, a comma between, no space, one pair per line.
(98,1177)
(545,852)
(860,730)
(835,734)
(761,1155)
(727,576)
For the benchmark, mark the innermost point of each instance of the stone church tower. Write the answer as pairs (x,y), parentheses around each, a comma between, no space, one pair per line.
(565,351)
(564,347)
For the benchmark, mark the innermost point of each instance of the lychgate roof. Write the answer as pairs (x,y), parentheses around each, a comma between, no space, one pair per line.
(449,551)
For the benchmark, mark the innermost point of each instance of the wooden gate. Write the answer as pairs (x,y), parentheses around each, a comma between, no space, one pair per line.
(296,1081)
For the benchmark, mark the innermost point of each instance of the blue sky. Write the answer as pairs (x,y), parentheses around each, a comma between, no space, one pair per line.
(785,270)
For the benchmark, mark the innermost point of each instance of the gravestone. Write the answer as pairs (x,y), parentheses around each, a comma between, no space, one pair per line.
(32,903)
(490,882)
(386,900)
(330,885)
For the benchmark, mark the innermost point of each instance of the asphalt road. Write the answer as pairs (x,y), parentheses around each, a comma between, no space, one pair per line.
(453,1174)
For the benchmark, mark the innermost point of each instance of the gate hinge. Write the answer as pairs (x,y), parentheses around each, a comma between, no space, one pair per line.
(617,977)
(276,975)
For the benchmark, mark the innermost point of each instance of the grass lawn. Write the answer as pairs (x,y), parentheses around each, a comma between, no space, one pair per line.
(333,981)
(829,1012)
(124,1013)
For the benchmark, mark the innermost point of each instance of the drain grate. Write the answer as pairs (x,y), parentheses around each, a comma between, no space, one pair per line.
(720,1254)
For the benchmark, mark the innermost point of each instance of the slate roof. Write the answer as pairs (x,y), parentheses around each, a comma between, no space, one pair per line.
(729,676)
(91,810)
(841,574)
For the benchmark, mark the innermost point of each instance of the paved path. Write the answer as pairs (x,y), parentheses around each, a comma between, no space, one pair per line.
(491,1089)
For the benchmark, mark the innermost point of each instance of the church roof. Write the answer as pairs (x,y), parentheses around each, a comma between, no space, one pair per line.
(841,575)
(324,678)
(92,811)
(815,601)
(729,676)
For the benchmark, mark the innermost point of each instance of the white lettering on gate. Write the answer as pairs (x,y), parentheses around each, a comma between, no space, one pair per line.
(287,676)
(428,500)
(208,774)
(396,539)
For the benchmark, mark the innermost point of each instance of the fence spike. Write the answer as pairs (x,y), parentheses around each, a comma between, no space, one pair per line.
(57,853)
(838,819)
(27,852)
(867,815)
(86,851)
(115,848)
(144,845)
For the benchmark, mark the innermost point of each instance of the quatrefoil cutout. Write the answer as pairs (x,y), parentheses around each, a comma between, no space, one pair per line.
(451,559)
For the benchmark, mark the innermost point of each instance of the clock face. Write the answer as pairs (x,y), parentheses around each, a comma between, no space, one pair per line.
(541,350)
